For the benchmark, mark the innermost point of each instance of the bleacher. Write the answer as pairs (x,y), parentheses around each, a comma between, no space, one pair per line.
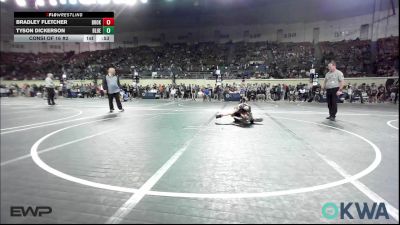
(259,59)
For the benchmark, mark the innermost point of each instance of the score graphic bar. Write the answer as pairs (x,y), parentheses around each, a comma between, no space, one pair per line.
(64,26)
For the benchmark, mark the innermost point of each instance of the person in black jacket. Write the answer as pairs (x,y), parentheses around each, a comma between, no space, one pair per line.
(112,87)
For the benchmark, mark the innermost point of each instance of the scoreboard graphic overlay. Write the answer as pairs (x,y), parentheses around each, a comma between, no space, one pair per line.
(64,26)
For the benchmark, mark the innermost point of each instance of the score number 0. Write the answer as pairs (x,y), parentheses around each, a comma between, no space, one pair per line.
(108,21)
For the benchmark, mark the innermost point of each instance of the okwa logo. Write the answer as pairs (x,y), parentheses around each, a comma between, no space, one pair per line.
(375,211)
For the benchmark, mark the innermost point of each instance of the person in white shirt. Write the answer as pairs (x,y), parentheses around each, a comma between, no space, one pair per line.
(333,85)
(173,93)
(49,84)
(350,92)
(302,93)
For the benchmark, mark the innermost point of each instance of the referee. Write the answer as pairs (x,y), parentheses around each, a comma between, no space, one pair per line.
(112,87)
(49,84)
(333,84)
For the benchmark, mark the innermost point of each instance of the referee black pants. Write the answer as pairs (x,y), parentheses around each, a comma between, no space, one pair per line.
(50,96)
(331,98)
(110,100)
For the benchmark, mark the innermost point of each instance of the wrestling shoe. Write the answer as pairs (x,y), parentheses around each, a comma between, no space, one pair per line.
(257,120)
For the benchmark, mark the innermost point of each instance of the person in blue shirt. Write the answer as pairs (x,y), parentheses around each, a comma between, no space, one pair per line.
(206,93)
